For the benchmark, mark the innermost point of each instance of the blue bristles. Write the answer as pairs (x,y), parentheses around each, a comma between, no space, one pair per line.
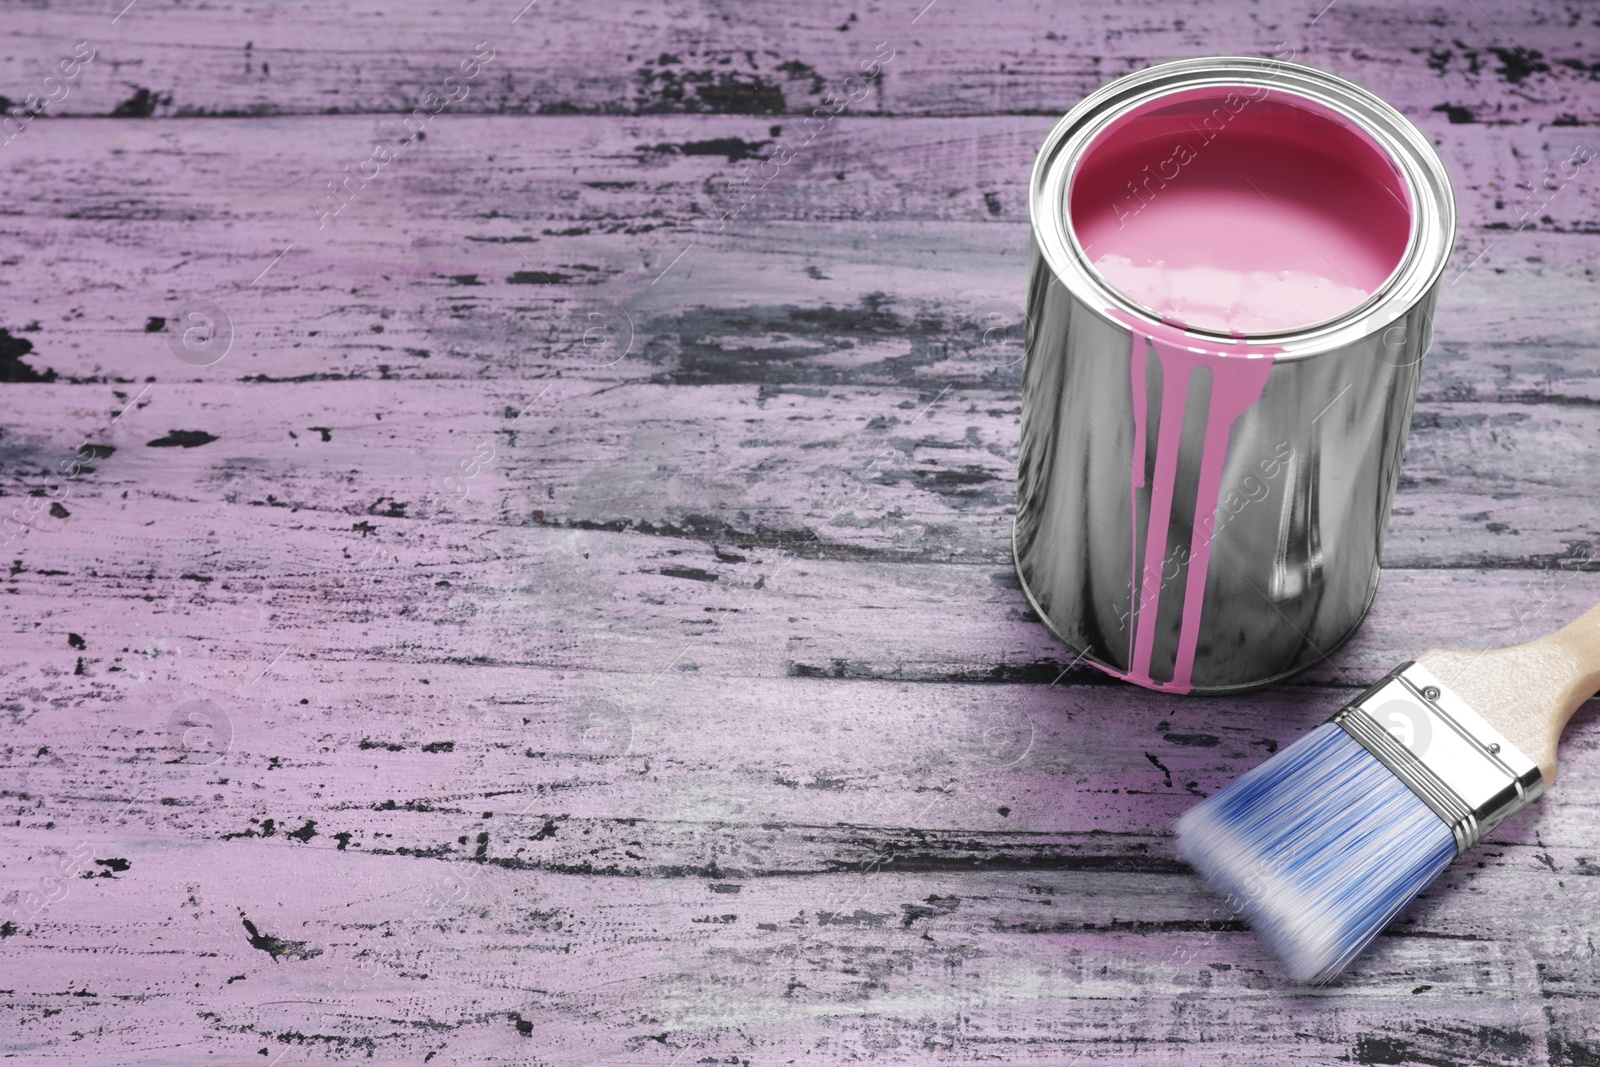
(1319,847)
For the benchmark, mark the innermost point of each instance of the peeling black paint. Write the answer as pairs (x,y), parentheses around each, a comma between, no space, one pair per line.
(1192,740)
(12,369)
(712,86)
(782,346)
(277,947)
(537,277)
(1517,63)
(182,439)
(263,828)
(694,574)
(1447,1046)
(1038,672)
(733,149)
(141,105)
(932,907)
(1162,767)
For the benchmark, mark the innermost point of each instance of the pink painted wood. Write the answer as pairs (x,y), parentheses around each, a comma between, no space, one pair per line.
(548,600)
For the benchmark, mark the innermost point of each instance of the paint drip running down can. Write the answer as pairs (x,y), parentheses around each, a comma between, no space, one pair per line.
(1234,268)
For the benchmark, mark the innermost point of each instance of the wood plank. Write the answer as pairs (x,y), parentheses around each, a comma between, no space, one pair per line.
(667,774)
(387,956)
(560,597)
(521,247)
(319,675)
(814,467)
(1501,61)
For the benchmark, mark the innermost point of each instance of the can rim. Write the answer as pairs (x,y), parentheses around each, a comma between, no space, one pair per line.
(1432,200)
(1103,123)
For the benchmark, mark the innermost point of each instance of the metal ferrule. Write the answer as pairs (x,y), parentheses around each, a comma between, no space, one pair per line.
(1446,753)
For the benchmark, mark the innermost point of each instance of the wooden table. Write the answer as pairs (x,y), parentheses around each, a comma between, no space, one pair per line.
(550,601)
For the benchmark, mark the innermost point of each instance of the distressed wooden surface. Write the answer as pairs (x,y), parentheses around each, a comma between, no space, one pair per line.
(586,565)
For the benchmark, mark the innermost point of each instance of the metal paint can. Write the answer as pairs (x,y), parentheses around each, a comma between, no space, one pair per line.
(1203,509)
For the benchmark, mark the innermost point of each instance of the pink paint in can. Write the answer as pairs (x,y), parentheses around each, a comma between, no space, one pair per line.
(1241,237)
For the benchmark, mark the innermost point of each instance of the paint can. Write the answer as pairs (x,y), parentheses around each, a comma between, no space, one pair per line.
(1217,389)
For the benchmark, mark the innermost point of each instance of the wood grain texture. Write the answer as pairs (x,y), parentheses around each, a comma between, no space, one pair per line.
(1529,691)
(1497,62)
(562,611)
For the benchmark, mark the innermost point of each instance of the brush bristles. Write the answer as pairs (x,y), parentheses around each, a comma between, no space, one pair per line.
(1319,847)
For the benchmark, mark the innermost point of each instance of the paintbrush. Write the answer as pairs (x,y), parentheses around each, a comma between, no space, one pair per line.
(1328,840)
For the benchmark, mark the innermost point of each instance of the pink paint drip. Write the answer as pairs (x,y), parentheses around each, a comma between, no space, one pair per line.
(1175,374)
(1238,377)
(1136,370)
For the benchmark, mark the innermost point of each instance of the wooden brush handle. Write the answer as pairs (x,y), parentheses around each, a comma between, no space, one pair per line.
(1528,692)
